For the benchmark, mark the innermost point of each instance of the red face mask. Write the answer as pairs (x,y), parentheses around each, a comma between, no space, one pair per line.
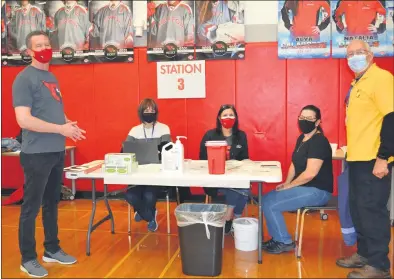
(43,56)
(227,123)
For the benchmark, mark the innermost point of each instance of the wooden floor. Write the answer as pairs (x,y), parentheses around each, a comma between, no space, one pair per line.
(156,254)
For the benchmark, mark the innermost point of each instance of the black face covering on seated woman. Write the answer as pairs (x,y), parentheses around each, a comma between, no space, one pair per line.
(149,117)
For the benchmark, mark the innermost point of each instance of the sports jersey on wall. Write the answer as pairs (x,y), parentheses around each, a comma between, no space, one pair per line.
(304,29)
(365,20)
(111,37)
(171,30)
(220,29)
(23,18)
(390,27)
(68,27)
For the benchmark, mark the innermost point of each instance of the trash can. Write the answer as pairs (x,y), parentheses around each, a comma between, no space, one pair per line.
(200,229)
(246,234)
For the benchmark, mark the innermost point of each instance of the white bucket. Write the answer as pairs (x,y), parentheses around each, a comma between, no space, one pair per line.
(246,233)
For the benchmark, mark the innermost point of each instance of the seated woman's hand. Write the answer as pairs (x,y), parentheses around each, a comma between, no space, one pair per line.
(283,186)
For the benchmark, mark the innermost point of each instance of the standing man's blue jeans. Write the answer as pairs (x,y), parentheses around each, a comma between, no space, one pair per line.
(236,199)
(276,202)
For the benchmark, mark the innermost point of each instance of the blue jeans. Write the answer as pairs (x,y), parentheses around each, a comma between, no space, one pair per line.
(276,202)
(143,199)
(236,200)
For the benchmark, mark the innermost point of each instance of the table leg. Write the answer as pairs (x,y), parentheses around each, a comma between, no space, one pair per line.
(260,231)
(90,227)
(72,160)
(111,216)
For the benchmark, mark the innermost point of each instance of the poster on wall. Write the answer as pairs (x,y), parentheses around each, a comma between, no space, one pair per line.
(390,27)
(111,38)
(364,20)
(181,79)
(23,17)
(220,29)
(304,29)
(68,27)
(139,23)
(4,23)
(171,32)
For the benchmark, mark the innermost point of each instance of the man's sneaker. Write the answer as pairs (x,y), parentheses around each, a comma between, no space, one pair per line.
(354,261)
(152,225)
(275,247)
(228,226)
(369,272)
(137,217)
(34,269)
(58,257)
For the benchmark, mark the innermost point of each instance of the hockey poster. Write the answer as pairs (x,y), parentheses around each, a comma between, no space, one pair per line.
(111,37)
(390,28)
(23,17)
(171,30)
(68,27)
(363,20)
(220,29)
(4,23)
(304,29)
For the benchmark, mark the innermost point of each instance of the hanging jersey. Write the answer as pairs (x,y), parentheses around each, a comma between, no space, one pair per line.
(113,24)
(72,27)
(26,20)
(172,25)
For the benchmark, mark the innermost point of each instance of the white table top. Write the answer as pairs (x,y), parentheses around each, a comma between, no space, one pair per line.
(238,175)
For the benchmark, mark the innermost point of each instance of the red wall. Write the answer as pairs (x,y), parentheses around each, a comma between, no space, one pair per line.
(267,92)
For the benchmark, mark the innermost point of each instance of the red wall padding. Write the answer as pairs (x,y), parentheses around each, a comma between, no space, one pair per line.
(267,92)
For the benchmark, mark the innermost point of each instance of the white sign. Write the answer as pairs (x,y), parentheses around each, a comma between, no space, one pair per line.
(181,79)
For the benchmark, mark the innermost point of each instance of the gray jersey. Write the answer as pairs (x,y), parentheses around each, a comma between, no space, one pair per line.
(172,25)
(39,90)
(26,20)
(113,24)
(72,27)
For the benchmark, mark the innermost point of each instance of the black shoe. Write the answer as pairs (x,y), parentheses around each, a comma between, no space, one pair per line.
(276,247)
(267,243)
(228,226)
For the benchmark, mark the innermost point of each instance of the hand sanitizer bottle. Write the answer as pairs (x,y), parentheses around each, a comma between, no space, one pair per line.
(179,153)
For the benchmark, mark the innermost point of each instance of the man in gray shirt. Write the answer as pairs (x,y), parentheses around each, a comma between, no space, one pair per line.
(39,111)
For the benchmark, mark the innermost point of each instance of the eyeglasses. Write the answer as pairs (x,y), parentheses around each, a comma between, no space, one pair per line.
(357,52)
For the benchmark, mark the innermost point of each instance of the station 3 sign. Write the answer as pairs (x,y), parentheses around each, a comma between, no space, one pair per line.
(181,79)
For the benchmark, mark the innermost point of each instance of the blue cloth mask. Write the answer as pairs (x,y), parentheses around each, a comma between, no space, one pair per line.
(358,63)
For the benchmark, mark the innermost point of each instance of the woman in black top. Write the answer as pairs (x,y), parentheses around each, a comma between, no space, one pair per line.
(309,181)
(227,129)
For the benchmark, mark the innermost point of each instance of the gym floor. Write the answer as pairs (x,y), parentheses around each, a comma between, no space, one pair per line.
(157,254)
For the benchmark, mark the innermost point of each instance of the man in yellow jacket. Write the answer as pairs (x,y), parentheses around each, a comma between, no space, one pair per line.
(369,102)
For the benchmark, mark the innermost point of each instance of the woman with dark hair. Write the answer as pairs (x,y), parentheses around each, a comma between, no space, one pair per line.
(143,198)
(309,180)
(227,129)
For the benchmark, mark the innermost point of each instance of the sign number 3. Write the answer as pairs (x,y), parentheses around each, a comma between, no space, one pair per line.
(181,84)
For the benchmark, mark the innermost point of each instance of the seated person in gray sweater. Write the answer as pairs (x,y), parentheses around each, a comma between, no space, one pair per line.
(143,198)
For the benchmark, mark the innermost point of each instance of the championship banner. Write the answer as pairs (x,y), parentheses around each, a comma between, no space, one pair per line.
(363,20)
(304,29)
(68,27)
(390,27)
(111,36)
(171,30)
(23,17)
(4,22)
(220,30)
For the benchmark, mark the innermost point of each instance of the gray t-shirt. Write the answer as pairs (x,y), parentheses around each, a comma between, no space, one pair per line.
(39,90)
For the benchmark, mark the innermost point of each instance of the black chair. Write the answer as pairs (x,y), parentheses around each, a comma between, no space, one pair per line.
(331,205)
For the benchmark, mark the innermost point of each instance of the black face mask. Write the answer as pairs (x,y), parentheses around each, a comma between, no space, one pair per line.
(306,126)
(149,117)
